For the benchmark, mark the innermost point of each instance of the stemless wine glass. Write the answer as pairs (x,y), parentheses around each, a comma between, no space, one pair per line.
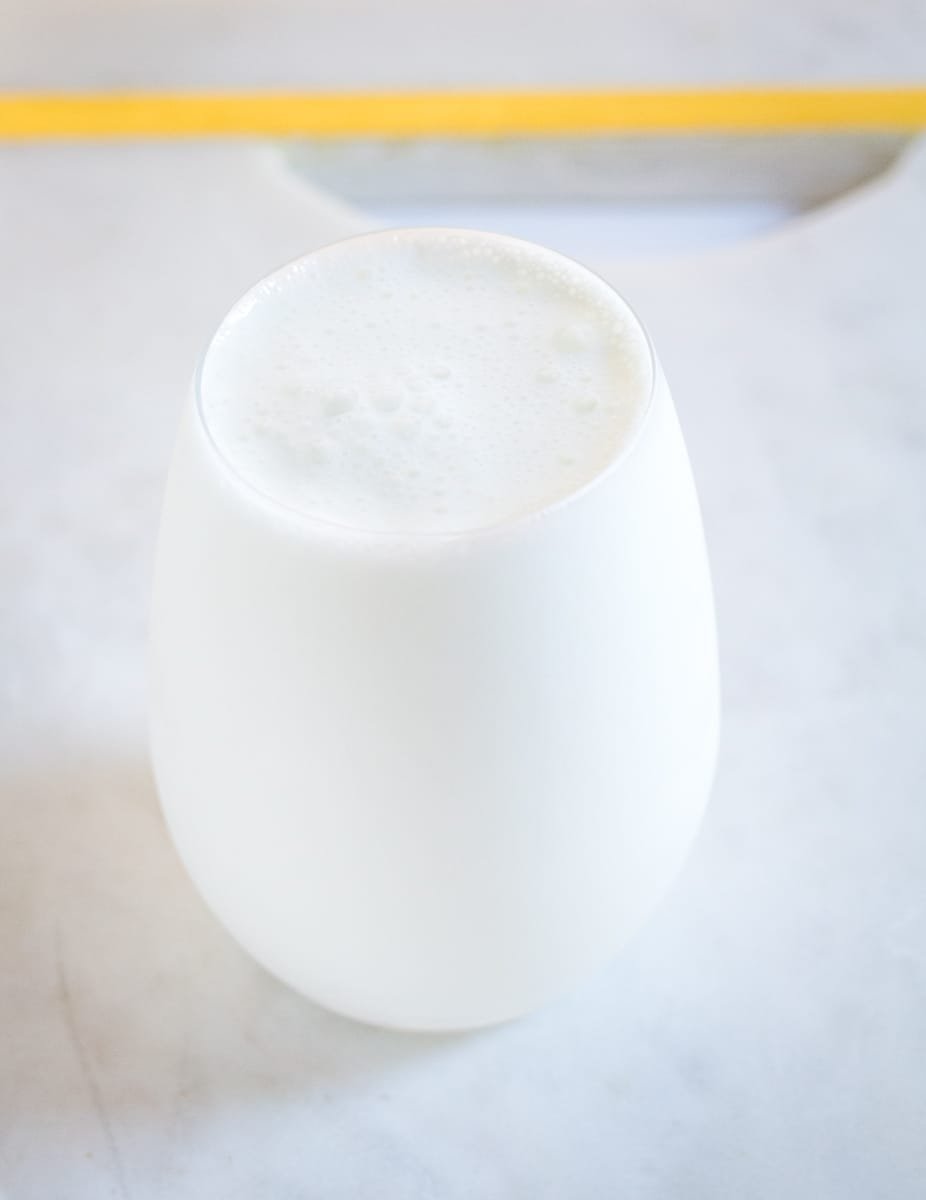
(431,780)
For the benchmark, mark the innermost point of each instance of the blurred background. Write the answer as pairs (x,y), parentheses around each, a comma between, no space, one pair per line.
(717,185)
(751,177)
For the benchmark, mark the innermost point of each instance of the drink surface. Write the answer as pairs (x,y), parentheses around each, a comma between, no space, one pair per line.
(425,381)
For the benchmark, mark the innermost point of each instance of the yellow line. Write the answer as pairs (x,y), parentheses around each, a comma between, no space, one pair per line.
(26,116)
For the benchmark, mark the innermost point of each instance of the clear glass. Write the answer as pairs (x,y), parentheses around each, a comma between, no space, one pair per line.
(430,781)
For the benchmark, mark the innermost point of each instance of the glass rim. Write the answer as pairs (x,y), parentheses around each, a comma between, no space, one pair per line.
(430,536)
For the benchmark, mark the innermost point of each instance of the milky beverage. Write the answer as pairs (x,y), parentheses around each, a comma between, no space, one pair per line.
(442,383)
(433,672)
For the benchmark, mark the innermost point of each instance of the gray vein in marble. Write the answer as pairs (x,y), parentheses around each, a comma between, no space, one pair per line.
(86,1067)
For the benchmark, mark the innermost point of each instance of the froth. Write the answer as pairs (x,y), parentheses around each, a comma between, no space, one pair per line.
(425,381)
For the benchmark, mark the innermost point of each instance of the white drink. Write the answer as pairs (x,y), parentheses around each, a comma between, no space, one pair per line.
(434,692)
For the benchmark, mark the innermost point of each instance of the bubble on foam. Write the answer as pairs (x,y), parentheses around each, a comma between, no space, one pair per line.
(316,453)
(339,401)
(387,400)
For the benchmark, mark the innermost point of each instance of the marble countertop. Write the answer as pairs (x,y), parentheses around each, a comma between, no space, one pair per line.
(762,1038)
(482,43)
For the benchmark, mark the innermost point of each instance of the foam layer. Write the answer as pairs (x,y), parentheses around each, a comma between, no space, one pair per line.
(425,381)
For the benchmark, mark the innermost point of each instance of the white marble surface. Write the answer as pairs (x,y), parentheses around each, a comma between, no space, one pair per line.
(480,43)
(763,1038)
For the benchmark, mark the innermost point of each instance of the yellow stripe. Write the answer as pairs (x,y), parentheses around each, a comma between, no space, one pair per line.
(456,114)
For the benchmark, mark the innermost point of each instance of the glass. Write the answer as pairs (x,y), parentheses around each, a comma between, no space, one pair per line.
(432,780)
